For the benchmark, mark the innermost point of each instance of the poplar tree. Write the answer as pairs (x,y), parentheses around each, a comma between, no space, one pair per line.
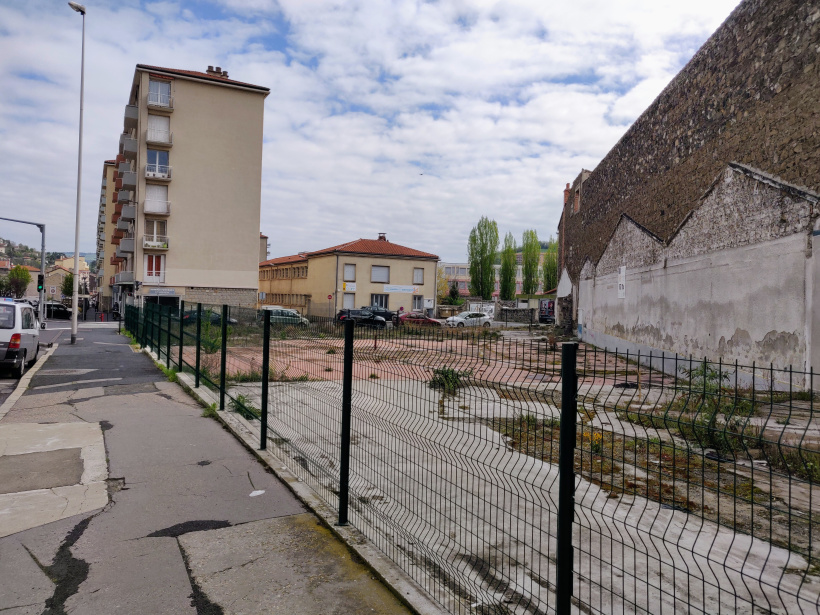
(507,273)
(482,246)
(530,254)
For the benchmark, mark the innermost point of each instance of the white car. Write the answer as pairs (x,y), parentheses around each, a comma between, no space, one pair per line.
(19,336)
(469,319)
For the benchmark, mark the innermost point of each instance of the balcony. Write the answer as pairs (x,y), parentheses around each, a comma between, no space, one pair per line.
(129,180)
(158,171)
(155,242)
(159,137)
(132,115)
(123,224)
(123,196)
(129,212)
(124,277)
(160,101)
(159,208)
(155,279)
(128,147)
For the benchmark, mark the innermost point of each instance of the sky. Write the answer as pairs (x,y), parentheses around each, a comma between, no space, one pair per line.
(409,117)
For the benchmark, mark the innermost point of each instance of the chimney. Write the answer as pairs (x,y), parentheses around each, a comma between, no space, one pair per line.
(214,72)
(225,74)
(382,236)
(566,194)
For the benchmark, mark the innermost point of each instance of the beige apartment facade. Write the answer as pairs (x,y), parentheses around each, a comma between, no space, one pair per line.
(187,189)
(106,266)
(360,273)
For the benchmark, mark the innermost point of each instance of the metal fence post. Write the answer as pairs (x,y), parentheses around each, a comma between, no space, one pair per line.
(347,391)
(224,357)
(168,342)
(198,342)
(566,479)
(263,430)
(181,331)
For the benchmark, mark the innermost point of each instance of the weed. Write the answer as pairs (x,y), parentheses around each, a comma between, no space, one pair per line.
(373,376)
(449,380)
(252,375)
(242,405)
(170,374)
(331,351)
(328,369)
(783,420)
(210,412)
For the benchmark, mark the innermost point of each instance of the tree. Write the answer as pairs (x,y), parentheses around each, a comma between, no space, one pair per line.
(530,254)
(549,270)
(67,287)
(5,288)
(481,251)
(441,284)
(19,278)
(507,273)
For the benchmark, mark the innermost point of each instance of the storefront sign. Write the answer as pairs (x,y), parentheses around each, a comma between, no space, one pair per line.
(156,292)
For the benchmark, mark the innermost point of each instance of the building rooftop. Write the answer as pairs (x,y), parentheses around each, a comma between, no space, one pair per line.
(378,247)
(284,260)
(203,76)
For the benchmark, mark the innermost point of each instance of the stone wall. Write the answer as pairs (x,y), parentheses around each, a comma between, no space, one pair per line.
(242,297)
(749,95)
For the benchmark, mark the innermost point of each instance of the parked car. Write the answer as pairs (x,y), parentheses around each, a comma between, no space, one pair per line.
(57,311)
(418,319)
(19,336)
(380,311)
(214,317)
(283,316)
(469,319)
(363,317)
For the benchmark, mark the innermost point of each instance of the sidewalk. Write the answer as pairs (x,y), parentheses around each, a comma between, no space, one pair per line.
(118,496)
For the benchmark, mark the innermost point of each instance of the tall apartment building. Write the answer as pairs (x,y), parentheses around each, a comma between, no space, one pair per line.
(186,191)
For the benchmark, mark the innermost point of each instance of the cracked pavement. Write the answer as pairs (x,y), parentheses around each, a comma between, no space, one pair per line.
(171,514)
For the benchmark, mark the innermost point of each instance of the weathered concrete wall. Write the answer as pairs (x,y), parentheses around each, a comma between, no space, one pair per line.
(747,299)
(749,95)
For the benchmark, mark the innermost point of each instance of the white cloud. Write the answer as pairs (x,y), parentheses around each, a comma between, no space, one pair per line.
(411,118)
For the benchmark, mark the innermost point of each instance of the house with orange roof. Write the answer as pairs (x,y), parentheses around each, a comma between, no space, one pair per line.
(362,272)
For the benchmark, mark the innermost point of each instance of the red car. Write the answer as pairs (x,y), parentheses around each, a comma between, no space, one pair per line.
(418,319)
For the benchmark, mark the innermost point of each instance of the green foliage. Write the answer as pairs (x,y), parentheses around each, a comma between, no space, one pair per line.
(242,405)
(482,246)
(453,296)
(210,412)
(549,270)
(507,273)
(448,379)
(67,287)
(5,287)
(18,279)
(530,254)
(170,374)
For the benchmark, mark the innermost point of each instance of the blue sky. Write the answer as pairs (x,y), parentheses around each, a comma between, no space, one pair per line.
(407,117)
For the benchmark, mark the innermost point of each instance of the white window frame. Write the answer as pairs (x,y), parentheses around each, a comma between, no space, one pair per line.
(349,301)
(380,299)
(155,279)
(156,96)
(418,275)
(379,268)
(418,302)
(346,276)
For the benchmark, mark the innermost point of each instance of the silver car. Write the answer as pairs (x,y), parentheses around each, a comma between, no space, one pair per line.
(469,319)
(19,336)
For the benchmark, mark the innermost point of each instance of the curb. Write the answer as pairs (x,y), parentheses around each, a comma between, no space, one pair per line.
(394,578)
(22,385)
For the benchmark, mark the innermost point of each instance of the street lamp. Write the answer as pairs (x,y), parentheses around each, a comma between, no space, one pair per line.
(74,297)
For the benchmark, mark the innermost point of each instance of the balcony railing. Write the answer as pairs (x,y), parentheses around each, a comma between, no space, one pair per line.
(124,277)
(157,171)
(131,117)
(155,242)
(152,206)
(160,137)
(129,212)
(129,180)
(127,245)
(128,147)
(123,224)
(163,101)
(155,279)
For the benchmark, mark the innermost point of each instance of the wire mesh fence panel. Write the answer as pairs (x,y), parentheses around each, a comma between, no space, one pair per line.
(697,487)
(695,482)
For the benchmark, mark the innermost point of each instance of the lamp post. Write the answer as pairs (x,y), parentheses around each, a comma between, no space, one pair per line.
(74,297)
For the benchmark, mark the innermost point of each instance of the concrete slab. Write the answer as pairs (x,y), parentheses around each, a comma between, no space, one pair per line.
(42,400)
(22,511)
(290,565)
(61,413)
(45,470)
(25,585)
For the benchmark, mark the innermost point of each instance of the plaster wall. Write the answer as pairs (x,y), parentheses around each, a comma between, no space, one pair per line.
(746,304)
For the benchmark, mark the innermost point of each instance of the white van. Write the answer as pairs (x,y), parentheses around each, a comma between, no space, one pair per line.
(19,336)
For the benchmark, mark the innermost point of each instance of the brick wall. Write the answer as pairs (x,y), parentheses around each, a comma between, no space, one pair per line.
(749,95)
(221,296)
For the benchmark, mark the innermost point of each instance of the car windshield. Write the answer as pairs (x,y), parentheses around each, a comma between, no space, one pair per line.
(7,316)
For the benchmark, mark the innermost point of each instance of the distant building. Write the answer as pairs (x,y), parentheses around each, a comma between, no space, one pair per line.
(180,204)
(359,273)
(458,273)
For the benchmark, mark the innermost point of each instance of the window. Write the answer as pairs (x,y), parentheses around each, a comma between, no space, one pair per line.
(350,273)
(154,268)
(159,93)
(379,300)
(349,301)
(577,202)
(155,230)
(418,302)
(448,270)
(462,271)
(462,285)
(418,275)
(157,163)
(159,129)
(156,199)
(380,274)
